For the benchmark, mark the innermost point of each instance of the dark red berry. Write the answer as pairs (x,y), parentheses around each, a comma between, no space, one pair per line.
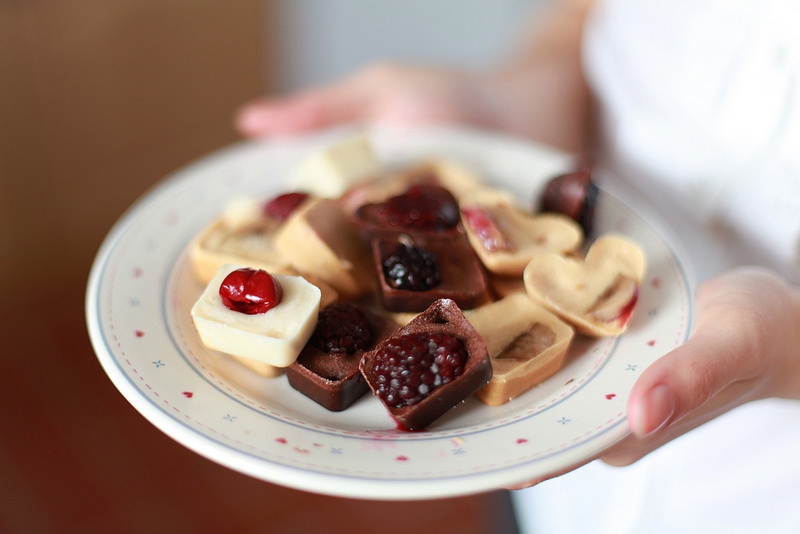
(250,291)
(422,207)
(412,268)
(573,194)
(282,206)
(342,328)
(409,367)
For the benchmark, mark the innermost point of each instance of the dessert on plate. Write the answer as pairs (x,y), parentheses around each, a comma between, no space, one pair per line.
(327,369)
(428,366)
(423,285)
(597,294)
(263,320)
(413,272)
(527,344)
(318,240)
(506,238)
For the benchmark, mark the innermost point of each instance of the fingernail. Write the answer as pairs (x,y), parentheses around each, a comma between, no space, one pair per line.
(654,412)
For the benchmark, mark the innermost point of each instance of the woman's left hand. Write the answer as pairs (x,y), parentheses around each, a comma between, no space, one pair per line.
(745,346)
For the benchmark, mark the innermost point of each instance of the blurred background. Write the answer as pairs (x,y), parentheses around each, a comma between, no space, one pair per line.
(99,101)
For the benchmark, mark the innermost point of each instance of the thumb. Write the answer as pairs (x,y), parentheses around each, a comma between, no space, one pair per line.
(682,390)
(716,369)
(733,356)
(680,383)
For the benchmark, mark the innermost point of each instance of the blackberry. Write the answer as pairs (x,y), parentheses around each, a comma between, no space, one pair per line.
(342,328)
(412,268)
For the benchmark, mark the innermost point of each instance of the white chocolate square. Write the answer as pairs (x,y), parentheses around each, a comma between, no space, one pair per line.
(275,337)
(332,171)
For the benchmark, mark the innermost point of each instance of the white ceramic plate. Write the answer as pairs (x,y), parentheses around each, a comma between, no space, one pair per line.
(141,289)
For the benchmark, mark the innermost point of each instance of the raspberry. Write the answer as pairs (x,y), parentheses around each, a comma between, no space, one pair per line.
(423,207)
(250,291)
(282,206)
(409,367)
(411,267)
(342,328)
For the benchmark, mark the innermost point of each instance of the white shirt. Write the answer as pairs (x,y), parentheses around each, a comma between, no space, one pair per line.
(700,115)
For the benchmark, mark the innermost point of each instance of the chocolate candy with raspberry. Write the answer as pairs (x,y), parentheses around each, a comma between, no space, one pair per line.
(427,367)
(421,209)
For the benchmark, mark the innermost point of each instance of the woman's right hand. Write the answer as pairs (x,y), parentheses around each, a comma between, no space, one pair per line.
(386,94)
(539,92)
(542,105)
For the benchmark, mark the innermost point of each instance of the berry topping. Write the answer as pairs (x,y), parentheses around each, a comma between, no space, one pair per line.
(342,328)
(409,367)
(573,194)
(250,291)
(422,207)
(282,206)
(411,267)
(483,225)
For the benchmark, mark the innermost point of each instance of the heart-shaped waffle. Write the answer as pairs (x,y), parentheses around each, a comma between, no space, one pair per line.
(506,238)
(596,294)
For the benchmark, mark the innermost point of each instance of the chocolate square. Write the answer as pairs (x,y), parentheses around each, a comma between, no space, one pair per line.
(443,316)
(333,380)
(463,279)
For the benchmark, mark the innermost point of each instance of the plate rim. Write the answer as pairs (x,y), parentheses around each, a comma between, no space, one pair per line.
(259,467)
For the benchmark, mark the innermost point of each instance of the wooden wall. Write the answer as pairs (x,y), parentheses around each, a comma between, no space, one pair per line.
(100,99)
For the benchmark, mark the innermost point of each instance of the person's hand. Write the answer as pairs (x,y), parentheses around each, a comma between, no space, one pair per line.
(396,95)
(745,347)
(547,104)
(538,92)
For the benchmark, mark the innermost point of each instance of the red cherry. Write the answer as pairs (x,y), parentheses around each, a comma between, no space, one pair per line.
(250,291)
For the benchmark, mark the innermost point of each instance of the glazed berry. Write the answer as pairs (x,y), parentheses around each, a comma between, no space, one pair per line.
(409,367)
(282,206)
(412,268)
(342,328)
(480,221)
(250,291)
(422,207)
(573,194)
